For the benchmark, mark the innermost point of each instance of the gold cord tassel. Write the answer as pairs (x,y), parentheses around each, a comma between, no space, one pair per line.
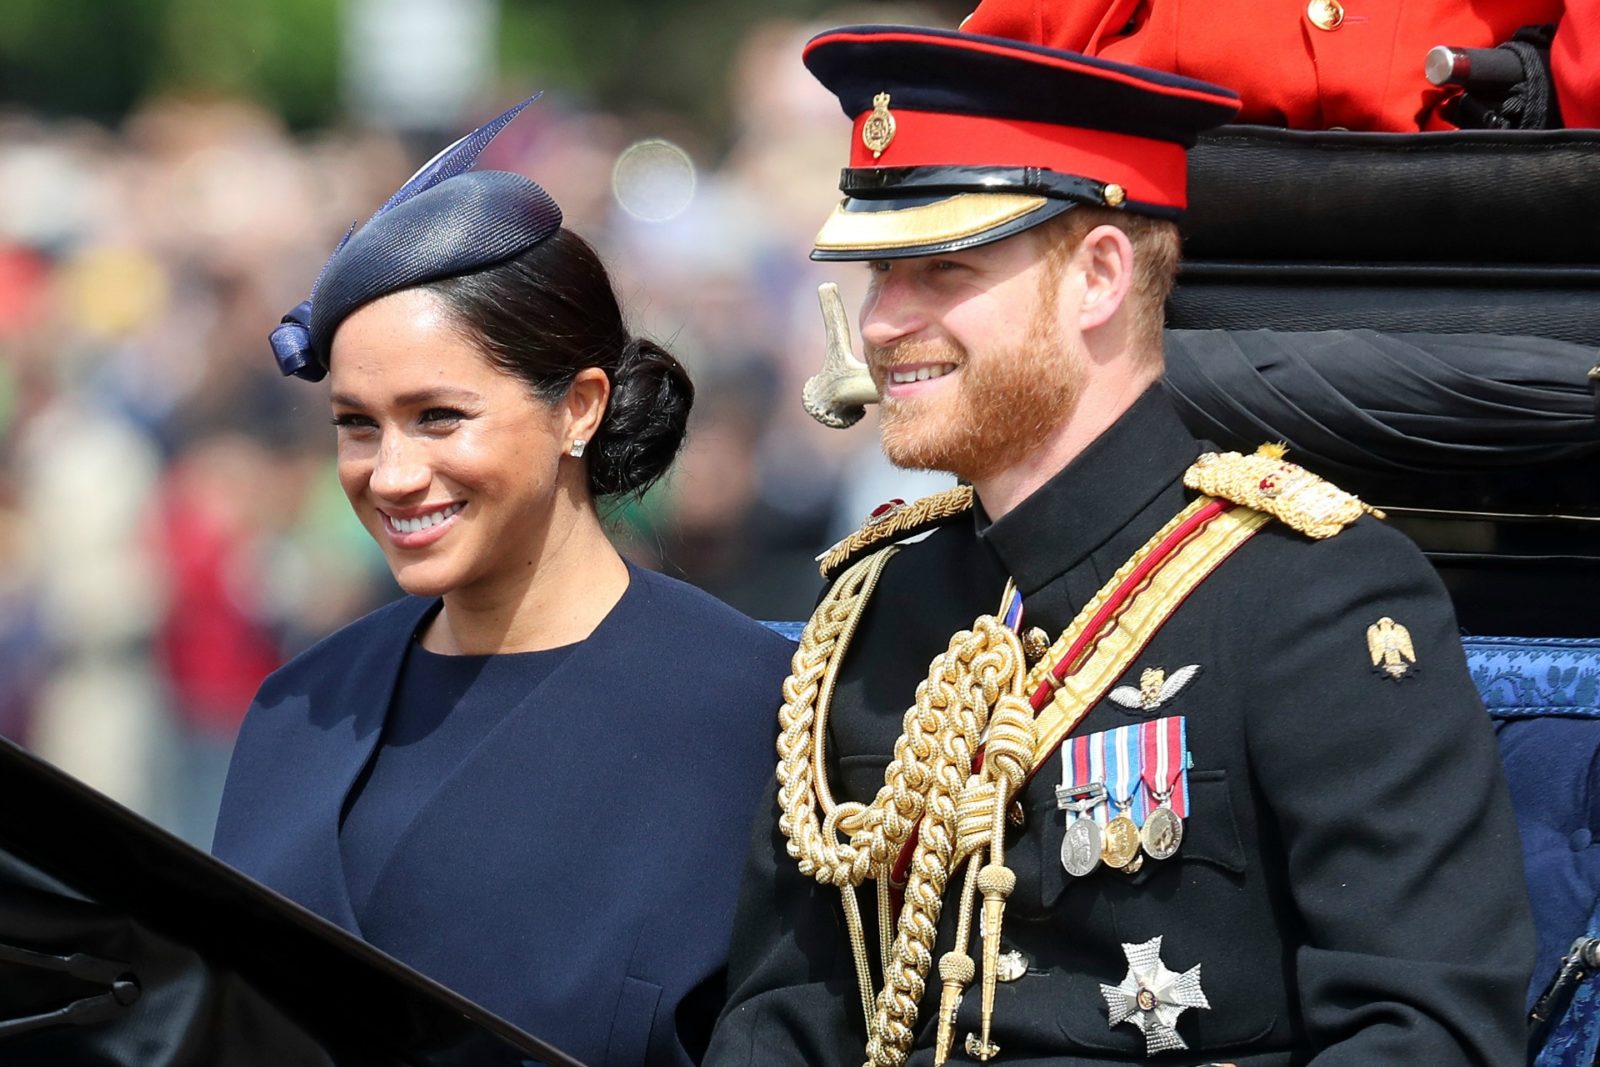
(1008,758)
(996,883)
(955,971)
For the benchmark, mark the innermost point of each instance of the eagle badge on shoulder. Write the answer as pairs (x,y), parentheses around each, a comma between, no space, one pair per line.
(1155,688)
(1389,645)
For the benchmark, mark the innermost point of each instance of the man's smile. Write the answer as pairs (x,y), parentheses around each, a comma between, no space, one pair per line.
(919,372)
(902,380)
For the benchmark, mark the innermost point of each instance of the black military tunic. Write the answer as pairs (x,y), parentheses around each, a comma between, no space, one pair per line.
(1349,881)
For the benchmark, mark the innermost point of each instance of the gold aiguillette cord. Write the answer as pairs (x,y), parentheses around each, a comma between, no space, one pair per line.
(973,687)
(1008,749)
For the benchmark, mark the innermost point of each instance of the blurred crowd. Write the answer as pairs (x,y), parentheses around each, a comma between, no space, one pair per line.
(170,525)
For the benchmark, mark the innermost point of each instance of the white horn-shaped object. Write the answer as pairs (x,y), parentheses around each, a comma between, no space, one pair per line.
(837,396)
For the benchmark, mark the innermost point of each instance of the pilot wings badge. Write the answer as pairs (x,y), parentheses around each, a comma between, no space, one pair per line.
(1389,644)
(1155,688)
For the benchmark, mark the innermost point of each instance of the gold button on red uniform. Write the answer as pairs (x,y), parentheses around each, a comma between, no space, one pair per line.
(1325,14)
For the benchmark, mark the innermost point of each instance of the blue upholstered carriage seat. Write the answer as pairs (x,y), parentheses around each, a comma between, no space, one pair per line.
(1544,696)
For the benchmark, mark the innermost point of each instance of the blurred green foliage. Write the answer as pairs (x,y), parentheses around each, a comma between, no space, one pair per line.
(670,55)
(99,58)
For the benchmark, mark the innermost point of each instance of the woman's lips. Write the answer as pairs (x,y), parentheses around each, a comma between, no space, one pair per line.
(421,528)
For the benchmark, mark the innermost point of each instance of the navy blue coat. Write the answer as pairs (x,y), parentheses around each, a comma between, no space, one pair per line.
(577,873)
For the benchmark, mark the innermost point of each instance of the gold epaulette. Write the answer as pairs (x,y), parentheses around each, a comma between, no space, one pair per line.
(1267,482)
(894,522)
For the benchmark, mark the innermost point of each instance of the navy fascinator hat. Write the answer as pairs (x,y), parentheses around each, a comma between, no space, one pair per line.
(444,221)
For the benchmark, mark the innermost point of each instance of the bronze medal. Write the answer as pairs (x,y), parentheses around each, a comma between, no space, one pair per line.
(1121,842)
(1080,848)
(1162,833)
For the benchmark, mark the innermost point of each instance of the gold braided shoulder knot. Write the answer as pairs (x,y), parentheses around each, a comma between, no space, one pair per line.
(895,523)
(1265,481)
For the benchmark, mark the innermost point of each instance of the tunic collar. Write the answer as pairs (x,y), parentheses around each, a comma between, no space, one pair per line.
(1095,496)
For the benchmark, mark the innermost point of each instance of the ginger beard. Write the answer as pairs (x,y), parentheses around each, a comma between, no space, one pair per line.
(1002,405)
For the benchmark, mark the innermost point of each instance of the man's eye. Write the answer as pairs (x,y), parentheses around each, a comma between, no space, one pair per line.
(878,266)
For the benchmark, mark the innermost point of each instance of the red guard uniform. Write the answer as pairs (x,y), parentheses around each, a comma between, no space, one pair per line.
(1351,64)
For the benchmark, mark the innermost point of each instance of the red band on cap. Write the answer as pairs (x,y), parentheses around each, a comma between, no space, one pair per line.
(1153,172)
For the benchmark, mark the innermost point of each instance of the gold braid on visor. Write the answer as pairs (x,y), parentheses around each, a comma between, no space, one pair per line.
(952,219)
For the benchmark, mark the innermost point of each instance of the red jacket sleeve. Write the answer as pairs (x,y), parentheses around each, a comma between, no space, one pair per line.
(1076,27)
(1360,72)
(1575,64)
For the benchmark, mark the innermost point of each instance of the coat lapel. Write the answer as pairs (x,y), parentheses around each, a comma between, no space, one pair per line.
(346,720)
(514,737)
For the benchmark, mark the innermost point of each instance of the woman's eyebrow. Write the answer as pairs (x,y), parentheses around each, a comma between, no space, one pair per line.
(429,395)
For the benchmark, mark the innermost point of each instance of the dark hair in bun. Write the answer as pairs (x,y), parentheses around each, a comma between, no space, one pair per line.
(550,312)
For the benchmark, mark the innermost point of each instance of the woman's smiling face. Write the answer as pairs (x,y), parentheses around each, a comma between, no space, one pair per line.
(450,462)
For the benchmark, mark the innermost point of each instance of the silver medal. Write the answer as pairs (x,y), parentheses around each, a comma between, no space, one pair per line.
(1162,833)
(1080,848)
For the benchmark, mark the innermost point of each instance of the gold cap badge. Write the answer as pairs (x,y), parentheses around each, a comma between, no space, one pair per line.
(878,130)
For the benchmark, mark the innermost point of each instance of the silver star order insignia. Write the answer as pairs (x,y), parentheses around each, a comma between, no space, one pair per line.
(1151,997)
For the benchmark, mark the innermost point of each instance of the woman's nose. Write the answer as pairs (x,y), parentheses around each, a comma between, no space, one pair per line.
(400,468)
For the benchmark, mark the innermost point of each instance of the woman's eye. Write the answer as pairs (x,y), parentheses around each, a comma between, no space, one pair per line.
(441,416)
(348,421)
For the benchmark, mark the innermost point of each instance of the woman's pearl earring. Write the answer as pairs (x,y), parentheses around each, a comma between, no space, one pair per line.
(577,447)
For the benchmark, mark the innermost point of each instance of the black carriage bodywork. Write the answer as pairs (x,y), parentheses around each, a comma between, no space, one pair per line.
(1463,253)
(1475,232)
(122,946)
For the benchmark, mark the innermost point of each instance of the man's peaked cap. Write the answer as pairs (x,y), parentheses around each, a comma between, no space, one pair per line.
(960,139)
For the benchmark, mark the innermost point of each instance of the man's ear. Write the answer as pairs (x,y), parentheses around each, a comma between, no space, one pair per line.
(585,403)
(1105,258)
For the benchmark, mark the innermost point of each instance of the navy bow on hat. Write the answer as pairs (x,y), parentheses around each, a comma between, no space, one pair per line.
(442,222)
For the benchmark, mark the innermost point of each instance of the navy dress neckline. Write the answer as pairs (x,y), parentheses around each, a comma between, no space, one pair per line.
(443,708)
